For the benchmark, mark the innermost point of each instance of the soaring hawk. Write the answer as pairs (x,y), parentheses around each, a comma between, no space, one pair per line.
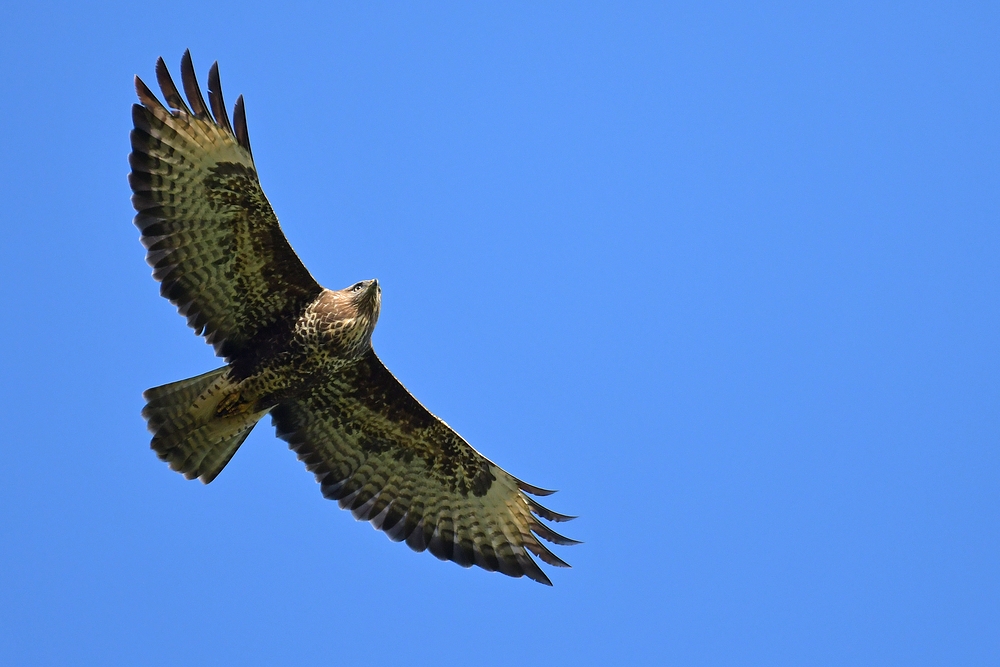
(300,353)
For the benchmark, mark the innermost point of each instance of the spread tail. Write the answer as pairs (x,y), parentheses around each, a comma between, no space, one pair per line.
(198,423)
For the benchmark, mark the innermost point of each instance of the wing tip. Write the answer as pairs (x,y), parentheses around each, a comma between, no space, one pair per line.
(552,536)
(195,105)
(240,125)
(146,96)
(191,88)
(534,490)
(546,513)
(531,569)
(169,89)
(216,100)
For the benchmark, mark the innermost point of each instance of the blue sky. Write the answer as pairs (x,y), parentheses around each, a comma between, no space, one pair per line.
(725,275)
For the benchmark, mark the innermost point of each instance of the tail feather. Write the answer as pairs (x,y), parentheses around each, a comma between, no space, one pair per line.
(188,431)
(171,401)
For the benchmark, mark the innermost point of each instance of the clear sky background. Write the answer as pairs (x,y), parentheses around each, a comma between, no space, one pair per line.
(727,276)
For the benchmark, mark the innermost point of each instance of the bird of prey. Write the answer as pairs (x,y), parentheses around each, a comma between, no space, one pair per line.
(299,352)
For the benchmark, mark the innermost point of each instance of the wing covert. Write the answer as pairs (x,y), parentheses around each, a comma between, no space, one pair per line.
(211,236)
(378,452)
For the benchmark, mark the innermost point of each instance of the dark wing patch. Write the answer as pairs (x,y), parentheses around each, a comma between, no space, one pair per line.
(378,452)
(211,237)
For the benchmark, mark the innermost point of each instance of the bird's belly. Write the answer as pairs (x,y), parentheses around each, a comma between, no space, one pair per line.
(290,374)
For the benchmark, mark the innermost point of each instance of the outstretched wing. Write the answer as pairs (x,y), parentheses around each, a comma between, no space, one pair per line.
(212,239)
(381,454)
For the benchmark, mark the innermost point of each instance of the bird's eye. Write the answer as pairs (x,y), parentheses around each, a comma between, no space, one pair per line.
(357,287)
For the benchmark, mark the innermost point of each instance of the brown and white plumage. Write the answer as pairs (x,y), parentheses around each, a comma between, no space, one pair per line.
(300,352)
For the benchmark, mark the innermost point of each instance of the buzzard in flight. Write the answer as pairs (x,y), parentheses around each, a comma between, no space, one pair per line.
(300,352)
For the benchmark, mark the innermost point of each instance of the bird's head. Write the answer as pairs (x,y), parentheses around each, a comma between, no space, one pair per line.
(366,298)
(363,301)
(346,318)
